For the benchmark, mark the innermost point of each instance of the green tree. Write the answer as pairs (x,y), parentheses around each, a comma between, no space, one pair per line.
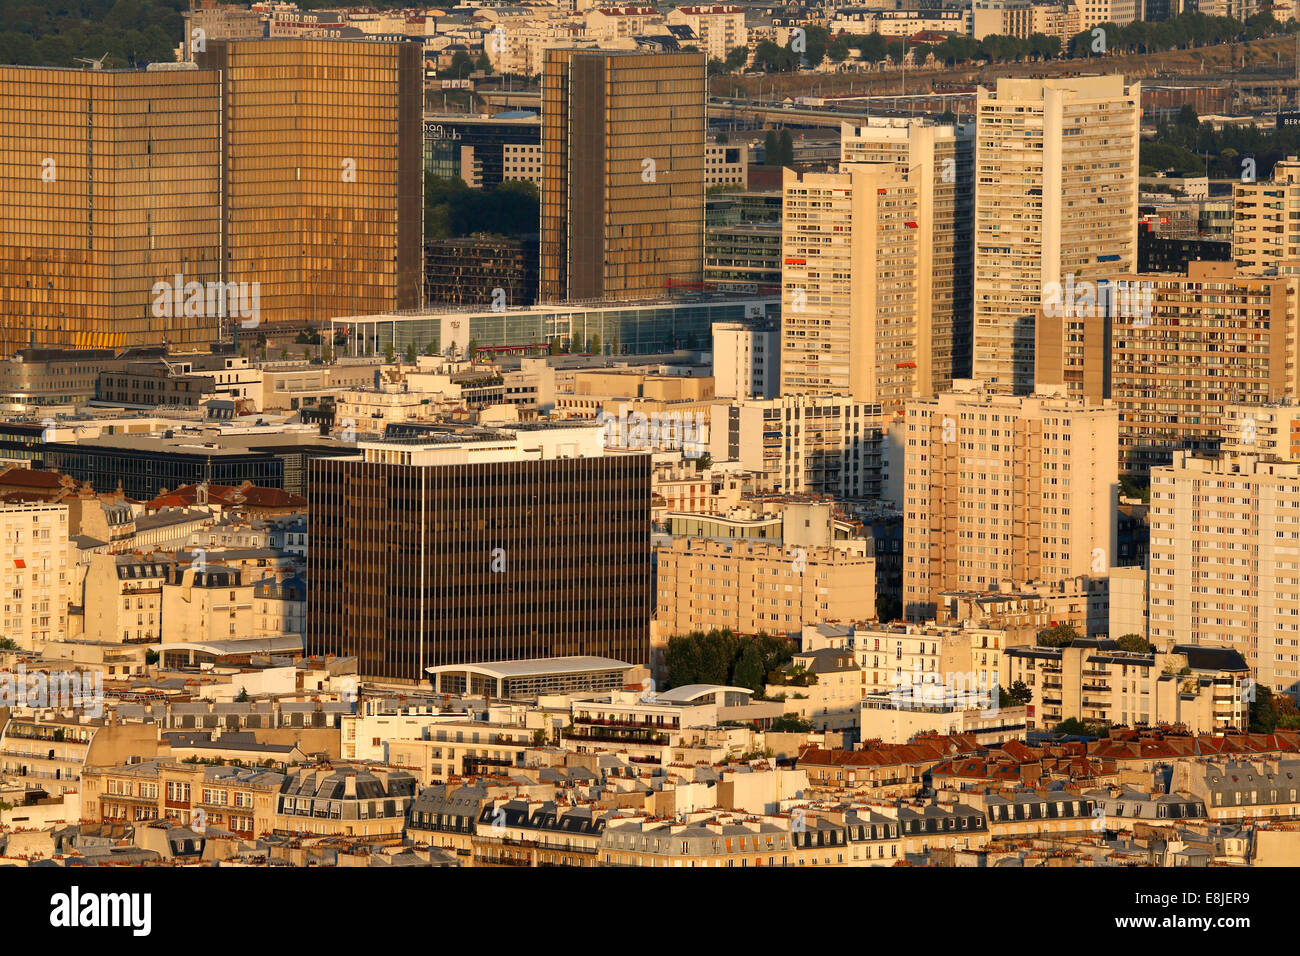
(771,58)
(243,696)
(771,149)
(462,65)
(737,57)
(411,353)
(1059,635)
(1075,728)
(390,353)
(1263,710)
(1134,643)
(816,41)
(8,644)
(787,148)
(700,658)
(1019,693)
(483,64)
(790,724)
(471,350)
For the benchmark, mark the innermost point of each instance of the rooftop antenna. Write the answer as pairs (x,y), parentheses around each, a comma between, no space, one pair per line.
(92,64)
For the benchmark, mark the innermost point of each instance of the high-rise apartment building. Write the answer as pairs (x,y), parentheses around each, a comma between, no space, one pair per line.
(37,576)
(623,173)
(322,174)
(800,444)
(746,359)
(502,546)
(1225,560)
(111,183)
(1264,235)
(1271,429)
(275,182)
(1056,188)
(756,586)
(938,160)
(849,285)
(1004,488)
(1173,352)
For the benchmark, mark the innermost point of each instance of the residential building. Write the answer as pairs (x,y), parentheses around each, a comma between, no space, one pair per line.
(746,360)
(719,28)
(1200,687)
(751,586)
(1264,236)
(1004,488)
(849,285)
(1172,352)
(1225,560)
(804,444)
(36,563)
(939,159)
(1056,190)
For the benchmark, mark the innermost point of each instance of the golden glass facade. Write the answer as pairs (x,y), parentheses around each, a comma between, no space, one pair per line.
(109,181)
(622,173)
(323,181)
(288,168)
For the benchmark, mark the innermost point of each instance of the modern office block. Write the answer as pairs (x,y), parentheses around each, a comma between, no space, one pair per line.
(623,173)
(508,547)
(322,177)
(110,182)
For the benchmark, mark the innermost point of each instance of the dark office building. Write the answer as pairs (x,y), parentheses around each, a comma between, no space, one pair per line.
(416,565)
(143,466)
(469,271)
(475,148)
(1157,254)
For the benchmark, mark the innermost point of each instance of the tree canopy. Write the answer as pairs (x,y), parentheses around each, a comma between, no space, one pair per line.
(1058,635)
(724,657)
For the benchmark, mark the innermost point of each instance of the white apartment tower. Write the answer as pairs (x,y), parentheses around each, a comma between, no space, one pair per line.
(37,578)
(1225,560)
(849,285)
(1000,488)
(1264,234)
(1056,188)
(938,160)
(746,360)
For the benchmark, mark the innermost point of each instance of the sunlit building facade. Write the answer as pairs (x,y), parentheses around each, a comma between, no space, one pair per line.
(622,173)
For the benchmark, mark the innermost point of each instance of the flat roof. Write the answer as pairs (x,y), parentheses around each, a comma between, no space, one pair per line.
(250,645)
(690,692)
(536,667)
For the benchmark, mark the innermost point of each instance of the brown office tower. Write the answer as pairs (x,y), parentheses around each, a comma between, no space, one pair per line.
(500,547)
(323,178)
(277,183)
(110,183)
(622,174)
